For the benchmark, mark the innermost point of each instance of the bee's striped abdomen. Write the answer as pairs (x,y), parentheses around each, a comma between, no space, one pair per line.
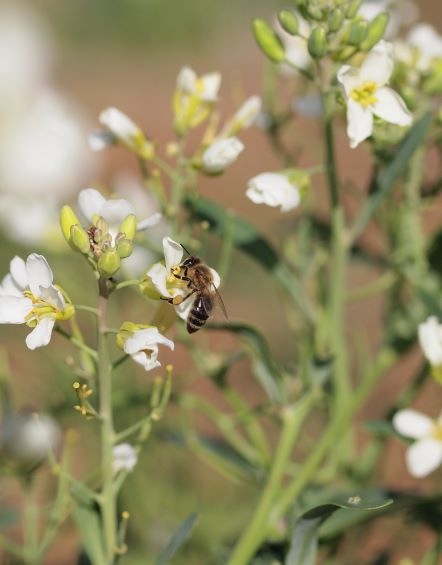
(198,314)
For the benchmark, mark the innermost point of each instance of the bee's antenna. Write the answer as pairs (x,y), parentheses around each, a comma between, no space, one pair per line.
(188,252)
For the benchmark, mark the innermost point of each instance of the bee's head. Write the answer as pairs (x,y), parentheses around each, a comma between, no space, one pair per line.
(191,261)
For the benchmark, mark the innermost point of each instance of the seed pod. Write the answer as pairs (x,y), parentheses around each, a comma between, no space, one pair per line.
(314,11)
(317,43)
(269,43)
(375,31)
(289,22)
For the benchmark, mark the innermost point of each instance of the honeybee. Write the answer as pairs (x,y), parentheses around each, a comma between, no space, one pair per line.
(199,279)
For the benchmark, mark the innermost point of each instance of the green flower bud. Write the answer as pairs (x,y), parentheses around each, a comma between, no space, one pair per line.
(314,11)
(146,149)
(125,247)
(289,22)
(109,263)
(317,43)
(353,8)
(335,19)
(147,288)
(79,239)
(269,43)
(375,31)
(67,220)
(128,226)
(357,32)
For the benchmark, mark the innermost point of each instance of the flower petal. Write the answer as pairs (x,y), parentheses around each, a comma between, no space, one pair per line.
(149,222)
(158,274)
(423,457)
(378,64)
(430,340)
(17,268)
(14,309)
(90,202)
(119,124)
(114,211)
(411,423)
(41,334)
(359,123)
(39,273)
(173,253)
(216,278)
(391,108)
(8,287)
(349,78)
(124,457)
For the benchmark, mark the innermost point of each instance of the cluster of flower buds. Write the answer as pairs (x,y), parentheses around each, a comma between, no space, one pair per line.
(327,28)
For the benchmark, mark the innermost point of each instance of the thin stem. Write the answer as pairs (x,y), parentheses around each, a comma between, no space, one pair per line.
(132,282)
(107,500)
(78,343)
(85,308)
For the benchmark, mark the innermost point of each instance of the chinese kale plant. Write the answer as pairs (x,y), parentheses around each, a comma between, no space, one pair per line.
(298,444)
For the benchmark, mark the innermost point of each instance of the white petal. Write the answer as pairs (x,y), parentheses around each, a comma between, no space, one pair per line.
(41,334)
(349,78)
(221,154)
(184,308)
(99,140)
(39,273)
(378,65)
(245,116)
(273,189)
(430,340)
(149,222)
(411,423)
(186,80)
(147,338)
(173,253)
(53,296)
(423,457)
(114,211)
(90,202)
(359,123)
(210,86)
(13,309)
(17,268)
(8,287)
(391,108)
(216,278)
(119,124)
(148,362)
(158,274)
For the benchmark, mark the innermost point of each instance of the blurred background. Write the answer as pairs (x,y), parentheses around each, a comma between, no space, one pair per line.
(61,63)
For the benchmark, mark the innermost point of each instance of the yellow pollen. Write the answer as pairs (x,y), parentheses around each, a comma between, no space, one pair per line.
(365,93)
(437,431)
(42,309)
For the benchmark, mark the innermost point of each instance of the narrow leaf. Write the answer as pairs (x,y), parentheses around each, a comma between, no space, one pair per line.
(87,518)
(178,539)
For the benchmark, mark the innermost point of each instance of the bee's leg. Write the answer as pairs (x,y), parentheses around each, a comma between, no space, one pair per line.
(178,299)
(186,279)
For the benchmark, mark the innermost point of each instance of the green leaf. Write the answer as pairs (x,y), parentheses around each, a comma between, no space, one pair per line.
(177,540)
(263,366)
(304,543)
(383,184)
(87,518)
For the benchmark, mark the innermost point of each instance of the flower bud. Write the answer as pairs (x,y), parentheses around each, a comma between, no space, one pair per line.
(335,19)
(314,11)
(220,155)
(317,43)
(375,31)
(289,22)
(353,8)
(128,226)
(357,32)
(79,239)
(124,247)
(67,220)
(109,263)
(268,41)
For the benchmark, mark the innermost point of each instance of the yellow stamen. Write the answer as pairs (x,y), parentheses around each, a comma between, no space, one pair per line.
(437,431)
(365,94)
(42,309)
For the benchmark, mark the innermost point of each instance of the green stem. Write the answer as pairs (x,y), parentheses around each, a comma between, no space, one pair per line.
(132,282)
(85,308)
(78,343)
(107,499)
(292,419)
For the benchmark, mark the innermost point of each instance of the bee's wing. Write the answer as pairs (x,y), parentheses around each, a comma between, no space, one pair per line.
(220,301)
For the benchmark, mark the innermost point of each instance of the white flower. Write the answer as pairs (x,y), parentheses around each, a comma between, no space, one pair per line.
(221,154)
(425,454)
(124,457)
(28,296)
(244,117)
(142,346)
(169,286)
(204,87)
(367,95)
(428,42)
(114,210)
(273,189)
(295,47)
(430,340)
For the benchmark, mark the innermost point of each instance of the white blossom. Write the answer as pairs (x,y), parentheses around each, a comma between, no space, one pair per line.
(142,346)
(244,117)
(204,87)
(295,47)
(28,296)
(428,43)
(221,154)
(273,189)
(367,96)
(124,457)
(430,340)
(425,454)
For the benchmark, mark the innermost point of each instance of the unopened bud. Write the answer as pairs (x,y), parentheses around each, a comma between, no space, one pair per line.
(268,41)
(146,150)
(353,8)
(109,263)
(125,247)
(317,43)
(79,239)
(357,32)
(314,11)
(128,226)
(335,19)
(375,31)
(289,22)
(67,220)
